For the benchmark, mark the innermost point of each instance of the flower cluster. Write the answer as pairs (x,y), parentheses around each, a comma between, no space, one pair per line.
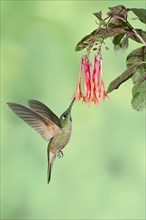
(94,90)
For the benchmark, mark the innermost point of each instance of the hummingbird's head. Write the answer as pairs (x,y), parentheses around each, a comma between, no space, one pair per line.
(65,118)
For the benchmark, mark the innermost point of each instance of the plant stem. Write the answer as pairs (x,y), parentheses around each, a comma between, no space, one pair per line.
(130,26)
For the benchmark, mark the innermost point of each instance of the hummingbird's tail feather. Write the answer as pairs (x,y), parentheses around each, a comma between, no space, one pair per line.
(51,157)
(49,172)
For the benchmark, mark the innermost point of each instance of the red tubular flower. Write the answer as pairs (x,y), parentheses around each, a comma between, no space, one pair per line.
(96,78)
(78,94)
(87,65)
(103,93)
(94,90)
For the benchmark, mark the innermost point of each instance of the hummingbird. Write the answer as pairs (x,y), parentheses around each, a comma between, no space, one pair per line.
(53,129)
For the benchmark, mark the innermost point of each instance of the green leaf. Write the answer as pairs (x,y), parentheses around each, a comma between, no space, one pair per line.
(115,22)
(125,42)
(122,78)
(122,47)
(86,41)
(117,39)
(119,10)
(141,33)
(98,15)
(137,55)
(140,13)
(139,78)
(118,49)
(139,73)
(139,94)
(97,36)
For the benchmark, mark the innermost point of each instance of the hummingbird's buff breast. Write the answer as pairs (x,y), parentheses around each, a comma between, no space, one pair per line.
(61,139)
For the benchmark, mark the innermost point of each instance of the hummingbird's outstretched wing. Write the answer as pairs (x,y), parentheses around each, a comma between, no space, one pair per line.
(42,125)
(43,110)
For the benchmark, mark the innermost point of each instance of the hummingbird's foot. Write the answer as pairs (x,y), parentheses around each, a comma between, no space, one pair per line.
(59,154)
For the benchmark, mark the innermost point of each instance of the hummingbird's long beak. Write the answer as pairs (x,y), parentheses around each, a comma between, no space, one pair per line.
(71,104)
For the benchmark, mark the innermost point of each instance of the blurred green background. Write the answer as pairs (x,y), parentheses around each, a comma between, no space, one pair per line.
(102,173)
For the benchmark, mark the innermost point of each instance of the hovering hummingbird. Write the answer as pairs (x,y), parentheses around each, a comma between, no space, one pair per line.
(53,129)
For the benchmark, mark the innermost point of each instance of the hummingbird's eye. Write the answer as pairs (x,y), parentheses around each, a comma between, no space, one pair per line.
(64,116)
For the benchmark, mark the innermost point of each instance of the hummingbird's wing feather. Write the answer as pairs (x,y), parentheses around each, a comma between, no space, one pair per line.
(43,110)
(44,126)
